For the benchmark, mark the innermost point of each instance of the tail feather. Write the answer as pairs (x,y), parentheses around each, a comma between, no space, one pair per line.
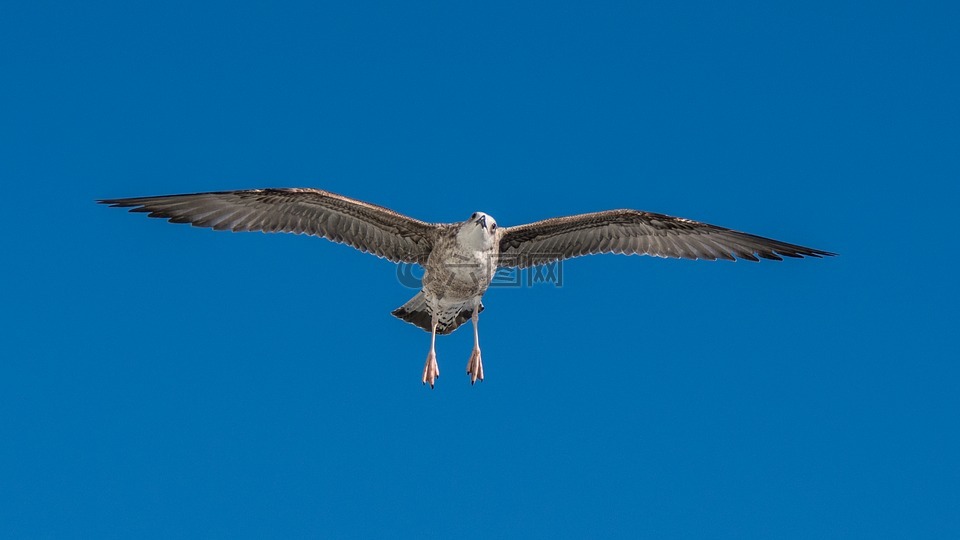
(415,312)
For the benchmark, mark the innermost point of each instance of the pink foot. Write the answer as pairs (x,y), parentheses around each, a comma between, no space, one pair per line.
(431,371)
(475,367)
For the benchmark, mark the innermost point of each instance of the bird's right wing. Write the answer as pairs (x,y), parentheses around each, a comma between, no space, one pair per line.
(633,232)
(367,227)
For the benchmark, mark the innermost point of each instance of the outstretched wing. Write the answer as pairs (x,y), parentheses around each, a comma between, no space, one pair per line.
(367,227)
(632,232)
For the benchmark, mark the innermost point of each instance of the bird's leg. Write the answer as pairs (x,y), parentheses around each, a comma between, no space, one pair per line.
(475,364)
(431,371)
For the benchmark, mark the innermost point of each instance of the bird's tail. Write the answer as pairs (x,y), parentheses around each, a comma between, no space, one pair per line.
(415,312)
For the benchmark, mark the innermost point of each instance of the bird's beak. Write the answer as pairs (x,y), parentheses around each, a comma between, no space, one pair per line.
(482,220)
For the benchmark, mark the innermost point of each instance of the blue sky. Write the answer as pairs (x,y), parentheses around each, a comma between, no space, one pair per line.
(161,380)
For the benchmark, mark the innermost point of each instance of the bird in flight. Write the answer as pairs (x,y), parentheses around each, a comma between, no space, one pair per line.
(459,259)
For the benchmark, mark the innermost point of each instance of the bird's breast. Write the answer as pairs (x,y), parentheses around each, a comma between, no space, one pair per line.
(459,273)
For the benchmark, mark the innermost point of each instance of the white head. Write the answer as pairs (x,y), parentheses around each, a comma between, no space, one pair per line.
(478,232)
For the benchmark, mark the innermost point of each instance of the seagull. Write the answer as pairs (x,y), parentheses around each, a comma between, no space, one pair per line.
(459,259)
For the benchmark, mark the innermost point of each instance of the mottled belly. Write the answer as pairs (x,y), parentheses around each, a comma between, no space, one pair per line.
(457,281)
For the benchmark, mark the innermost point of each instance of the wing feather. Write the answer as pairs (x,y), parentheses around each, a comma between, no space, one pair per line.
(632,232)
(367,227)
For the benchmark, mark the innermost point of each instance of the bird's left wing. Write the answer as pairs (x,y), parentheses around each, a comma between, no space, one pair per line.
(632,232)
(367,227)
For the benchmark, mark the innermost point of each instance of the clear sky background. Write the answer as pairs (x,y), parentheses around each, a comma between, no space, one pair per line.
(163,381)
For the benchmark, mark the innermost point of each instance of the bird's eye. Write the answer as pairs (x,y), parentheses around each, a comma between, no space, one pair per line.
(493,227)
(474,216)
